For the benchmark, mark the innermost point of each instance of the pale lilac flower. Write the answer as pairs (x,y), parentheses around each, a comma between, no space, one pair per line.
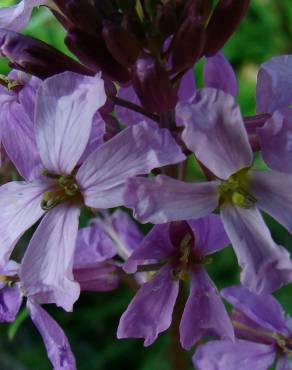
(264,336)
(16,123)
(215,133)
(182,247)
(65,107)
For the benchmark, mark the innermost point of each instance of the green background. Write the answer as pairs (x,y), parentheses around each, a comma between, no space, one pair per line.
(91,329)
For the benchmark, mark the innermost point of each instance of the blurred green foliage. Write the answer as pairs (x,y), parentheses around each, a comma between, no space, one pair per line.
(265,32)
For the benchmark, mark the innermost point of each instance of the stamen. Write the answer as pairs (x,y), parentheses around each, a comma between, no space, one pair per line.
(9,83)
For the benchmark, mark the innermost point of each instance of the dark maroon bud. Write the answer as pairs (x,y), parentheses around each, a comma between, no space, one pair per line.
(201,9)
(91,50)
(132,24)
(123,45)
(188,44)
(82,14)
(126,5)
(166,20)
(180,231)
(36,57)
(152,85)
(224,21)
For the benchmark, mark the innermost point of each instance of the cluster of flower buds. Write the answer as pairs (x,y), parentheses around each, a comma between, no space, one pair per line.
(116,129)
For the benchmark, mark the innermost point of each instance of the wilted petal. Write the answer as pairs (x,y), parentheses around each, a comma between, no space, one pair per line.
(150,311)
(284,363)
(215,132)
(93,245)
(65,107)
(55,340)
(264,309)
(219,74)
(97,277)
(20,209)
(274,85)
(265,265)
(273,193)
(10,301)
(164,199)
(16,17)
(210,234)
(204,313)
(242,355)
(127,116)
(155,246)
(136,150)
(46,269)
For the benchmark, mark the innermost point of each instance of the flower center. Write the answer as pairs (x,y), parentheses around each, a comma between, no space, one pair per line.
(9,83)
(66,189)
(235,190)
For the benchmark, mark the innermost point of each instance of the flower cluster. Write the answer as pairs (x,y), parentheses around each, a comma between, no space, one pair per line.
(116,129)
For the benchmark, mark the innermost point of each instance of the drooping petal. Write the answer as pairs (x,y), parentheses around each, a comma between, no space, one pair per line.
(273,193)
(219,74)
(93,245)
(264,309)
(10,301)
(65,107)
(265,265)
(274,85)
(155,246)
(16,17)
(136,150)
(46,268)
(18,138)
(284,363)
(55,340)
(127,116)
(204,313)
(20,209)
(164,199)
(210,234)
(276,140)
(150,311)
(99,277)
(215,132)
(241,355)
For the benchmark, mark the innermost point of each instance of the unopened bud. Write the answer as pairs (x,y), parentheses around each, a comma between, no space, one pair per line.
(166,20)
(152,85)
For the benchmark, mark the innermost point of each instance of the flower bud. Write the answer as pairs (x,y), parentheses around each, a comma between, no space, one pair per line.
(152,85)
(92,51)
(188,44)
(122,44)
(36,57)
(225,19)
(166,20)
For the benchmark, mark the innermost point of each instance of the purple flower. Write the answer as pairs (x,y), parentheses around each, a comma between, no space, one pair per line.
(264,336)
(17,103)
(183,246)
(65,107)
(215,133)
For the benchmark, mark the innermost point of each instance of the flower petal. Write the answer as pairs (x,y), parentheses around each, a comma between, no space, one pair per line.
(274,85)
(16,17)
(204,313)
(136,150)
(46,268)
(155,246)
(241,355)
(187,87)
(215,132)
(219,74)
(284,363)
(150,311)
(10,301)
(276,140)
(55,340)
(210,234)
(265,265)
(265,310)
(164,199)
(273,194)
(65,107)
(20,209)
